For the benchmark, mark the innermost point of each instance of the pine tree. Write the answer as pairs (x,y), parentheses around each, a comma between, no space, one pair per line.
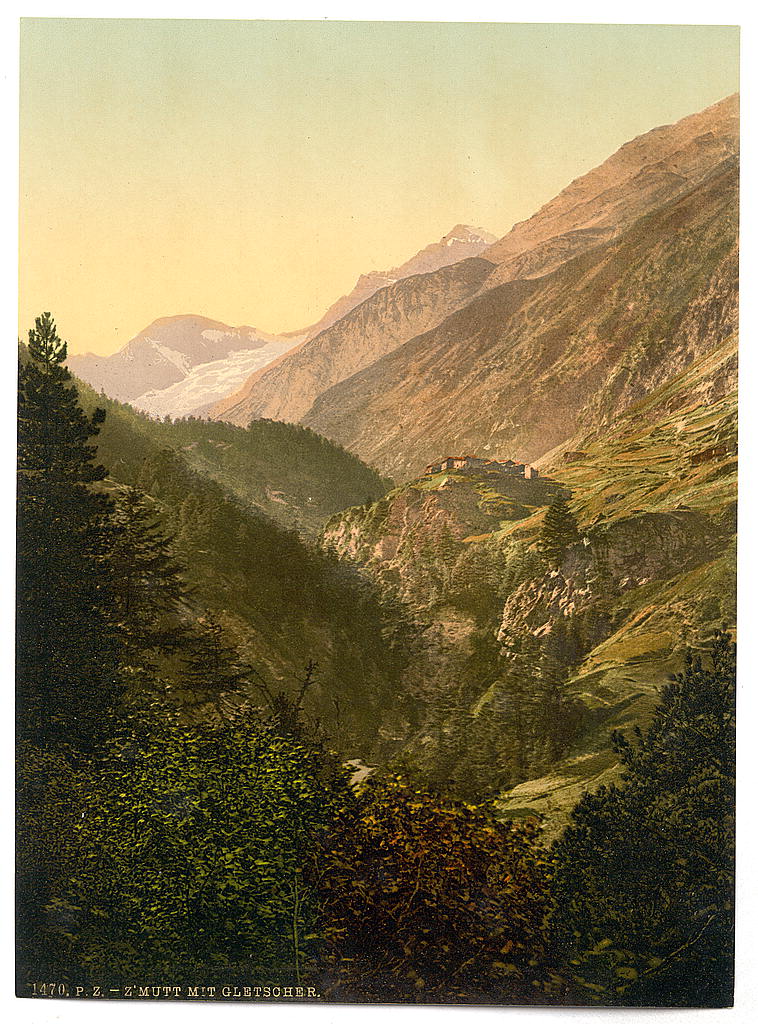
(212,668)
(644,874)
(559,530)
(150,593)
(67,643)
(53,430)
(559,715)
(520,706)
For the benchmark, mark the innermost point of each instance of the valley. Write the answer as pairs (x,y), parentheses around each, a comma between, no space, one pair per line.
(387,655)
(597,340)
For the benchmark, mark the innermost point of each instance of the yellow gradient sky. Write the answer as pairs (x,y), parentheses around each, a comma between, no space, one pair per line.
(249,171)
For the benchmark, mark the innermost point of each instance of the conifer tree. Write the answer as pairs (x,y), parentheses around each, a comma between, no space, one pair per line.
(67,644)
(559,530)
(212,668)
(644,874)
(520,706)
(149,588)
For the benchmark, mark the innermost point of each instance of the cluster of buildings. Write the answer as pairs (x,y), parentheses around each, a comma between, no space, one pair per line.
(505,466)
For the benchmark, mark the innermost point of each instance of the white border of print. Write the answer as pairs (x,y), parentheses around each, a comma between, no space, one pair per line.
(641,12)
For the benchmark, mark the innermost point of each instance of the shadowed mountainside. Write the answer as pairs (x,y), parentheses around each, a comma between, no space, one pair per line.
(277,597)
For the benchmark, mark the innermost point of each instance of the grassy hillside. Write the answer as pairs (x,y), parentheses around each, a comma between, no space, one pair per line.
(676,447)
(652,573)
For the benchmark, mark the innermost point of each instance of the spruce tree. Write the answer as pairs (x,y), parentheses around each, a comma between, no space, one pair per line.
(149,589)
(212,669)
(559,530)
(67,643)
(644,875)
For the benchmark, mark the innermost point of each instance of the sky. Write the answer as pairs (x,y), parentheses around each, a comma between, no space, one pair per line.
(249,171)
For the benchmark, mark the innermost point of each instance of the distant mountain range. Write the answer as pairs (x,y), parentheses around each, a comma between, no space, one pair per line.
(183,365)
(526,365)
(165,354)
(502,346)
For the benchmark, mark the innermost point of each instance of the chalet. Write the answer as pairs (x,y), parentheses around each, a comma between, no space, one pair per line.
(457,462)
(519,469)
(468,462)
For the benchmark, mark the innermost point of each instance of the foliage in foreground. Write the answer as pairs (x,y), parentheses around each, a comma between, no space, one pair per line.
(187,852)
(427,900)
(644,875)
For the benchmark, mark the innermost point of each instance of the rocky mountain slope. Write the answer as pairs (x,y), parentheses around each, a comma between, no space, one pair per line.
(166,352)
(646,172)
(591,214)
(287,388)
(527,364)
(505,633)
(461,243)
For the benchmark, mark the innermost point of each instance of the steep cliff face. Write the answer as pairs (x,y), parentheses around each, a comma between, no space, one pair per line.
(611,559)
(419,530)
(529,364)
(433,547)
(287,388)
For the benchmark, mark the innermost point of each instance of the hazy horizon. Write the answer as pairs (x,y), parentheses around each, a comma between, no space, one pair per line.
(250,171)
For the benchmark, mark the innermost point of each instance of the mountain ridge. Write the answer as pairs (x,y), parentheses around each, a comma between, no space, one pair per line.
(286,388)
(654,167)
(461,242)
(526,363)
(163,353)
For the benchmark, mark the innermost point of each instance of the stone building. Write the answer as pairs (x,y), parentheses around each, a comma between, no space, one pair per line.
(472,462)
